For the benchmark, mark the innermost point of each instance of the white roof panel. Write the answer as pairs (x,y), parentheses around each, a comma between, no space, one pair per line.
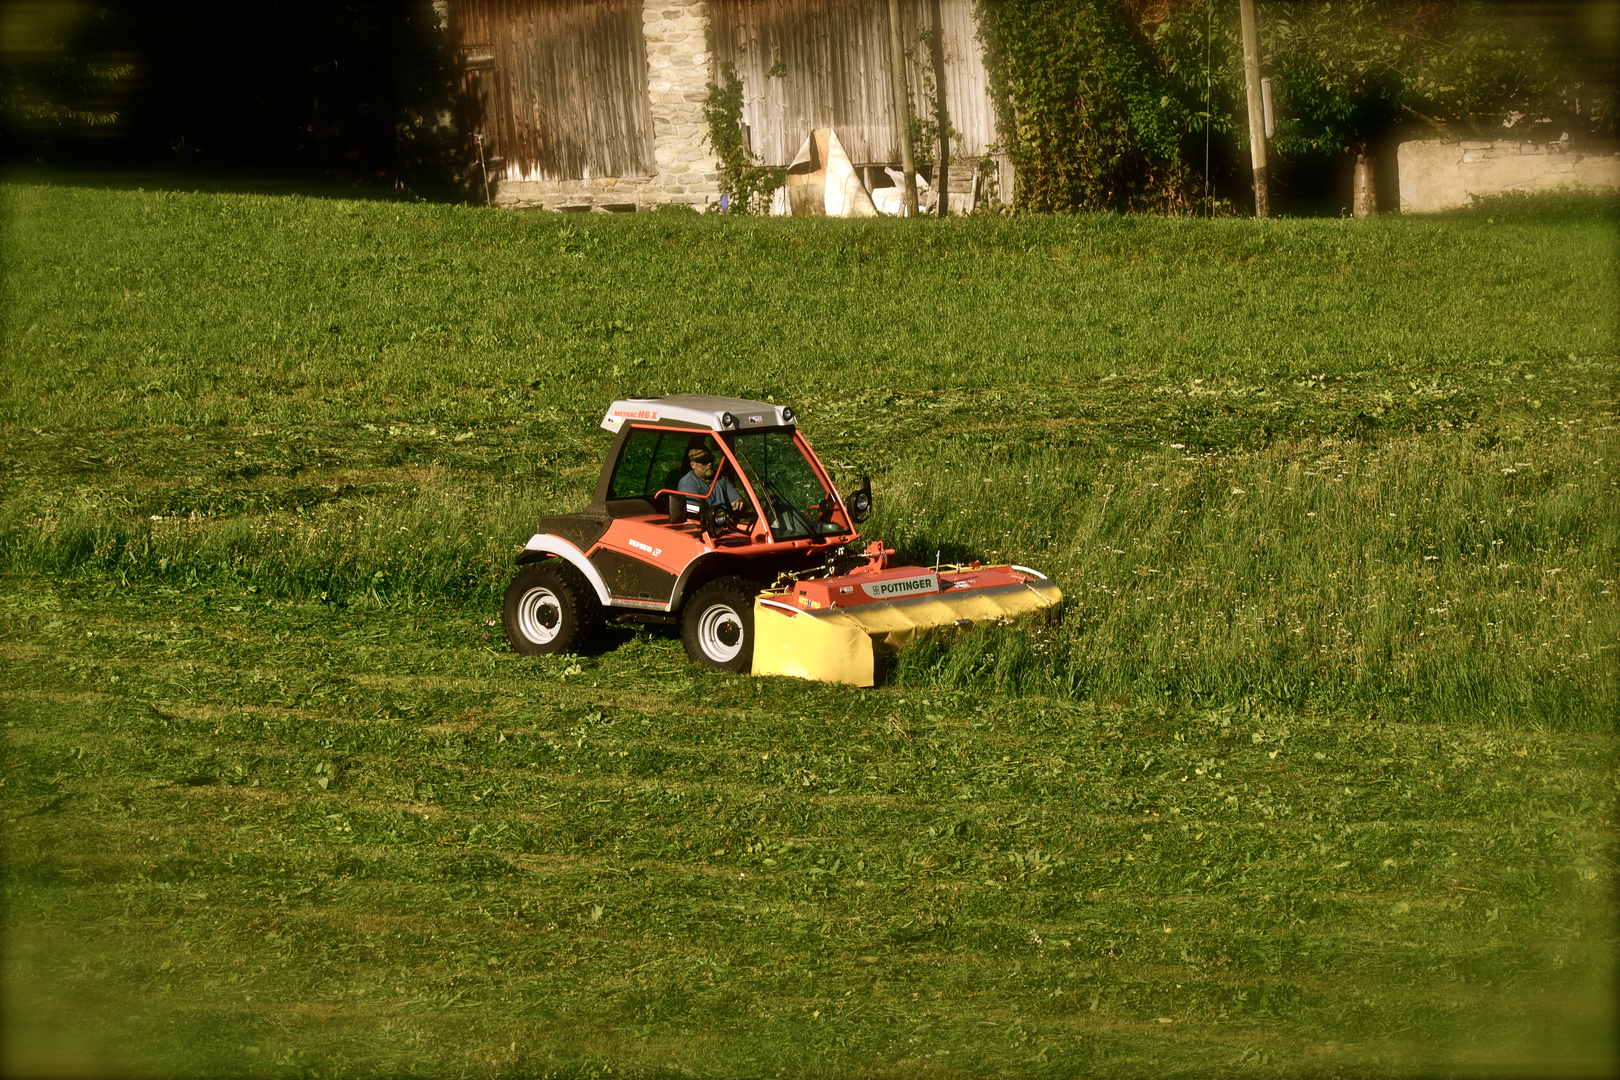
(698,410)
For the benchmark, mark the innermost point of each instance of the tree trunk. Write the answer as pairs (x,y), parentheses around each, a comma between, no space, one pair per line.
(942,116)
(1364,190)
(1257,120)
(902,106)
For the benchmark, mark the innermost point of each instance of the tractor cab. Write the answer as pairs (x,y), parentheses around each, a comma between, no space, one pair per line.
(701,503)
(732,471)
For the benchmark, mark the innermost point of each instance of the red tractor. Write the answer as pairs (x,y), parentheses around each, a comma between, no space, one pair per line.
(715,515)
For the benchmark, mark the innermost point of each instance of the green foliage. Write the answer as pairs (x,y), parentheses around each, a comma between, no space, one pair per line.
(747,186)
(52,78)
(1200,53)
(925,129)
(1108,105)
(1490,68)
(1339,70)
(1084,108)
(1344,73)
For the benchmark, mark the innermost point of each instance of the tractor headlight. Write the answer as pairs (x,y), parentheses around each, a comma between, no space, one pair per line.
(727,420)
(787,415)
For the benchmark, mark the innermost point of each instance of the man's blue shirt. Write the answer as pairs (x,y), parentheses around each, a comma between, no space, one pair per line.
(724,494)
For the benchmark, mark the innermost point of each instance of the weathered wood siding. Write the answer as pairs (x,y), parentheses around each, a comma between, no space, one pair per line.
(558,88)
(833,59)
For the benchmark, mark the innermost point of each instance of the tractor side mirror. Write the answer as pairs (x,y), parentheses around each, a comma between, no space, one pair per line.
(859,501)
(677,508)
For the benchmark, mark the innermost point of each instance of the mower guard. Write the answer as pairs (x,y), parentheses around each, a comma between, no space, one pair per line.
(844,644)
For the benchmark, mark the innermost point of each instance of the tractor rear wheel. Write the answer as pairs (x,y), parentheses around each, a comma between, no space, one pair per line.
(717,624)
(551,608)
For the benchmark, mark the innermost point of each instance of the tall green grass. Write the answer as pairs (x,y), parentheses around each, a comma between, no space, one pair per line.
(1420,576)
(1423,575)
(431,545)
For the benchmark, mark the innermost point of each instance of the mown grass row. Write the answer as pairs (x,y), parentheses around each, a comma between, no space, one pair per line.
(250,838)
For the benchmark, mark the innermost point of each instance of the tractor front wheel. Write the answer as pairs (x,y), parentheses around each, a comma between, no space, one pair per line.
(551,608)
(718,624)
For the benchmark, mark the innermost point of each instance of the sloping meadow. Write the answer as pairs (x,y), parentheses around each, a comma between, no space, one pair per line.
(1328,709)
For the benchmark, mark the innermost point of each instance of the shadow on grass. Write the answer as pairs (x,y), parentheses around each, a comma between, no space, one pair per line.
(1563,204)
(128,177)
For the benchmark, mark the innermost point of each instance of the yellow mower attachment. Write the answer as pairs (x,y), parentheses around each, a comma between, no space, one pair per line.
(840,629)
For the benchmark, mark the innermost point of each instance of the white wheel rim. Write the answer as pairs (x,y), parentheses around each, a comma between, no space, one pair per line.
(539,616)
(718,623)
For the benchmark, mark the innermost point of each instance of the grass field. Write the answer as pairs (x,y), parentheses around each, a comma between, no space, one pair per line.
(1315,776)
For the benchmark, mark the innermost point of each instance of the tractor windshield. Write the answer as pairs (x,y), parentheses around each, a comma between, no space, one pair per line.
(796,504)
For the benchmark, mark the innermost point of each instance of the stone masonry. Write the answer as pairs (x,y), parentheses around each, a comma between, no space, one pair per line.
(1436,175)
(679,60)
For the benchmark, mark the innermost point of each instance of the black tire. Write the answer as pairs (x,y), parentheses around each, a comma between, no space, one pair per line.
(717,624)
(551,608)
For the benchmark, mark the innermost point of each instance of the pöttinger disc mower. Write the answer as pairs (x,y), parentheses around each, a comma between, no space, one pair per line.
(713,514)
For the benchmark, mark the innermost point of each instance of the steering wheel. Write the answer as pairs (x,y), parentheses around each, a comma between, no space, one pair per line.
(717,520)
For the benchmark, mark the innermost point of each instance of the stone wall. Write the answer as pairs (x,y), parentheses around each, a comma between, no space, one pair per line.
(1437,175)
(678,73)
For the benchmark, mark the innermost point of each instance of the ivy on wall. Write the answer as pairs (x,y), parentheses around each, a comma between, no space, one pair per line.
(747,187)
(1085,108)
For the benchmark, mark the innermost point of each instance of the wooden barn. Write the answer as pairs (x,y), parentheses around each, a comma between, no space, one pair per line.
(598,104)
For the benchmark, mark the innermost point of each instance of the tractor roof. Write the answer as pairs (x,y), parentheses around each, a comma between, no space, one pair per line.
(698,411)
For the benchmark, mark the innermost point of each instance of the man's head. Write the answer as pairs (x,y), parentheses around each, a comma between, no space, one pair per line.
(701,462)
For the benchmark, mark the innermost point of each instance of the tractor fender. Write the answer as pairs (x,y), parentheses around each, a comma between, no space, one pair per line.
(685,579)
(703,569)
(541,545)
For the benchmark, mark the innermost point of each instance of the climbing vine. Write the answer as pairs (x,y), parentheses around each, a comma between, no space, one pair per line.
(747,187)
(1084,108)
(1132,104)
(925,126)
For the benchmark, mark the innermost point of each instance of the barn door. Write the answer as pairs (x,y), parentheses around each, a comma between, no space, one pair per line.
(564,96)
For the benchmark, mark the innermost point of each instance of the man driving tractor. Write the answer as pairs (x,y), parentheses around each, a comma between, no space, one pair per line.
(700,480)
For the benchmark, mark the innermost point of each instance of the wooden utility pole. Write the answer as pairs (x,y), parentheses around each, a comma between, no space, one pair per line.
(1257,120)
(1364,189)
(902,106)
(942,115)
